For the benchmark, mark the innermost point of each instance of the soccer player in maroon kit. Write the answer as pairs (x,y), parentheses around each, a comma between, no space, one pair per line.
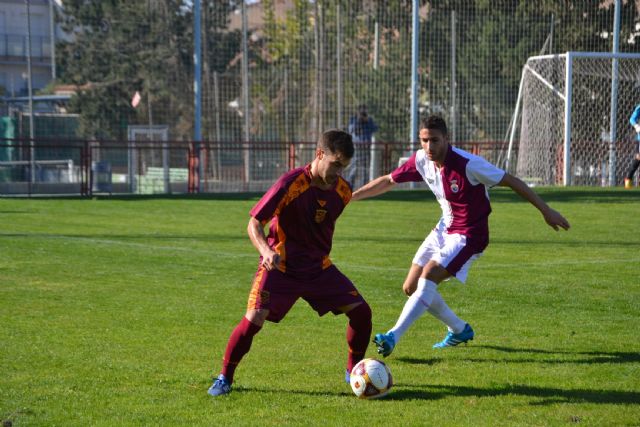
(459,180)
(302,206)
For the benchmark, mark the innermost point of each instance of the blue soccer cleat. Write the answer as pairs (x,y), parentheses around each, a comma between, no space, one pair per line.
(347,376)
(385,343)
(452,340)
(220,386)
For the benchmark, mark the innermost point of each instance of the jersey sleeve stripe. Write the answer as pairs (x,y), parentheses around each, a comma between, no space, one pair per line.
(344,190)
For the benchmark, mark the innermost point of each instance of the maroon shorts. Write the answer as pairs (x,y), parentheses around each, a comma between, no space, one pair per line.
(277,292)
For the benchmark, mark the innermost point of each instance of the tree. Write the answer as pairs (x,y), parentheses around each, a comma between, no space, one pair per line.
(495,38)
(119,47)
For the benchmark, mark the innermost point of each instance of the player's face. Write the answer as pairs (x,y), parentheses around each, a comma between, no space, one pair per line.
(330,165)
(435,144)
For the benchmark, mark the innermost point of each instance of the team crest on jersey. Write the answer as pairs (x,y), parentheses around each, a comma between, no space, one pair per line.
(320,215)
(454,186)
(321,202)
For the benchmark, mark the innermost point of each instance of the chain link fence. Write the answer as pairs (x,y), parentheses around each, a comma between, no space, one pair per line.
(583,115)
(282,71)
(176,167)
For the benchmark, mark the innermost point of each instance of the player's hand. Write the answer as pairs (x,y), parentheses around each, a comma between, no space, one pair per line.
(637,127)
(555,220)
(270,260)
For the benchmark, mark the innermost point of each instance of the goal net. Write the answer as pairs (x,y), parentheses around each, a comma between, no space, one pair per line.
(566,119)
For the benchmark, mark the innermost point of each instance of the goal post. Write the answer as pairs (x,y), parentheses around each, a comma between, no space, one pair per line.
(568,107)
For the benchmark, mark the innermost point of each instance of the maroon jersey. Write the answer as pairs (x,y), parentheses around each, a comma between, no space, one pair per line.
(303,219)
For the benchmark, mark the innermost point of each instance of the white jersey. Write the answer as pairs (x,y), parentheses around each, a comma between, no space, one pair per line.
(460,186)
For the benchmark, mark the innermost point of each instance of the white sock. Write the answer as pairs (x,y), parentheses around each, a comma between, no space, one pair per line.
(441,311)
(415,306)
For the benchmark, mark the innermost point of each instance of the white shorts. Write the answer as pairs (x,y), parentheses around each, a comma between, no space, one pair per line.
(454,252)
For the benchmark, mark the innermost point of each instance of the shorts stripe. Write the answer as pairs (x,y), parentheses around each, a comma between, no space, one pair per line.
(256,287)
(454,252)
(460,259)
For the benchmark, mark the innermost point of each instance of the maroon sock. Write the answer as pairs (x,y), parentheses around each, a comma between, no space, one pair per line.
(358,333)
(238,345)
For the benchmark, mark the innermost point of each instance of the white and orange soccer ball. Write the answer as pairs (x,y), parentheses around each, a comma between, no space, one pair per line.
(370,379)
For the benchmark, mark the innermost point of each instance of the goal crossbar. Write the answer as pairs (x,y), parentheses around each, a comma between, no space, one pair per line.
(545,82)
(565,62)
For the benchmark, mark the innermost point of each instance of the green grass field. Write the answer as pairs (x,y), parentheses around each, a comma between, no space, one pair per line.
(117,311)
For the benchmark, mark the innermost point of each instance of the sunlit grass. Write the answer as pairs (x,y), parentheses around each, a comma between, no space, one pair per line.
(117,312)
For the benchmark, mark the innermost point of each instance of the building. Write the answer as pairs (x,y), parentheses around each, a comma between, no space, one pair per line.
(13,45)
(255,15)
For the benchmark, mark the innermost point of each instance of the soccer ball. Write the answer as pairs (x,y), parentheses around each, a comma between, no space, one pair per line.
(370,379)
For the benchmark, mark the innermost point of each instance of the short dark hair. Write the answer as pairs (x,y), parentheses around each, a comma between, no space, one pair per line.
(435,122)
(337,141)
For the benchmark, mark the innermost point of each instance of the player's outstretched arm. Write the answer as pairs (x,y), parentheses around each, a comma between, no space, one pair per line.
(551,216)
(378,186)
(270,258)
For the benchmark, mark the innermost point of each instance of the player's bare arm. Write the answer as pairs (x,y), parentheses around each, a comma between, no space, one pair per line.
(551,216)
(374,188)
(270,258)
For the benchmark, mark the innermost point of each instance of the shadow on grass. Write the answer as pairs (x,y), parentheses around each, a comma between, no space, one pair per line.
(582,357)
(417,361)
(291,391)
(548,395)
(547,356)
(538,395)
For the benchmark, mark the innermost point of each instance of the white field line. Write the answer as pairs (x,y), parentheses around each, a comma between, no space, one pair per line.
(146,246)
(489,266)
(366,267)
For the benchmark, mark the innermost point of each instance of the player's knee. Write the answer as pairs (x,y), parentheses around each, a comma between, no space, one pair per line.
(257,317)
(409,288)
(364,311)
(411,282)
(410,285)
(435,272)
(367,310)
(360,313)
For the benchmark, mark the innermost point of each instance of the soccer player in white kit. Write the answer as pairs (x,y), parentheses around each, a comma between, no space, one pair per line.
(459,180)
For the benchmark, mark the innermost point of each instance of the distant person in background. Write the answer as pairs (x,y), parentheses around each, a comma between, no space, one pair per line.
(361,128)
(635,122)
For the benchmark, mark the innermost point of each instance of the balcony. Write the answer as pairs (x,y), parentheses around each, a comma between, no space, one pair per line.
(13,48)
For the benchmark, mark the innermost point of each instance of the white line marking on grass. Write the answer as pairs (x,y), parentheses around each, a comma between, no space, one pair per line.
(563,262)
(366,267)
(224,254)
(488,265)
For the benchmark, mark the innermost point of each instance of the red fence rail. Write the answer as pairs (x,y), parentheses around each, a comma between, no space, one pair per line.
(48,166)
